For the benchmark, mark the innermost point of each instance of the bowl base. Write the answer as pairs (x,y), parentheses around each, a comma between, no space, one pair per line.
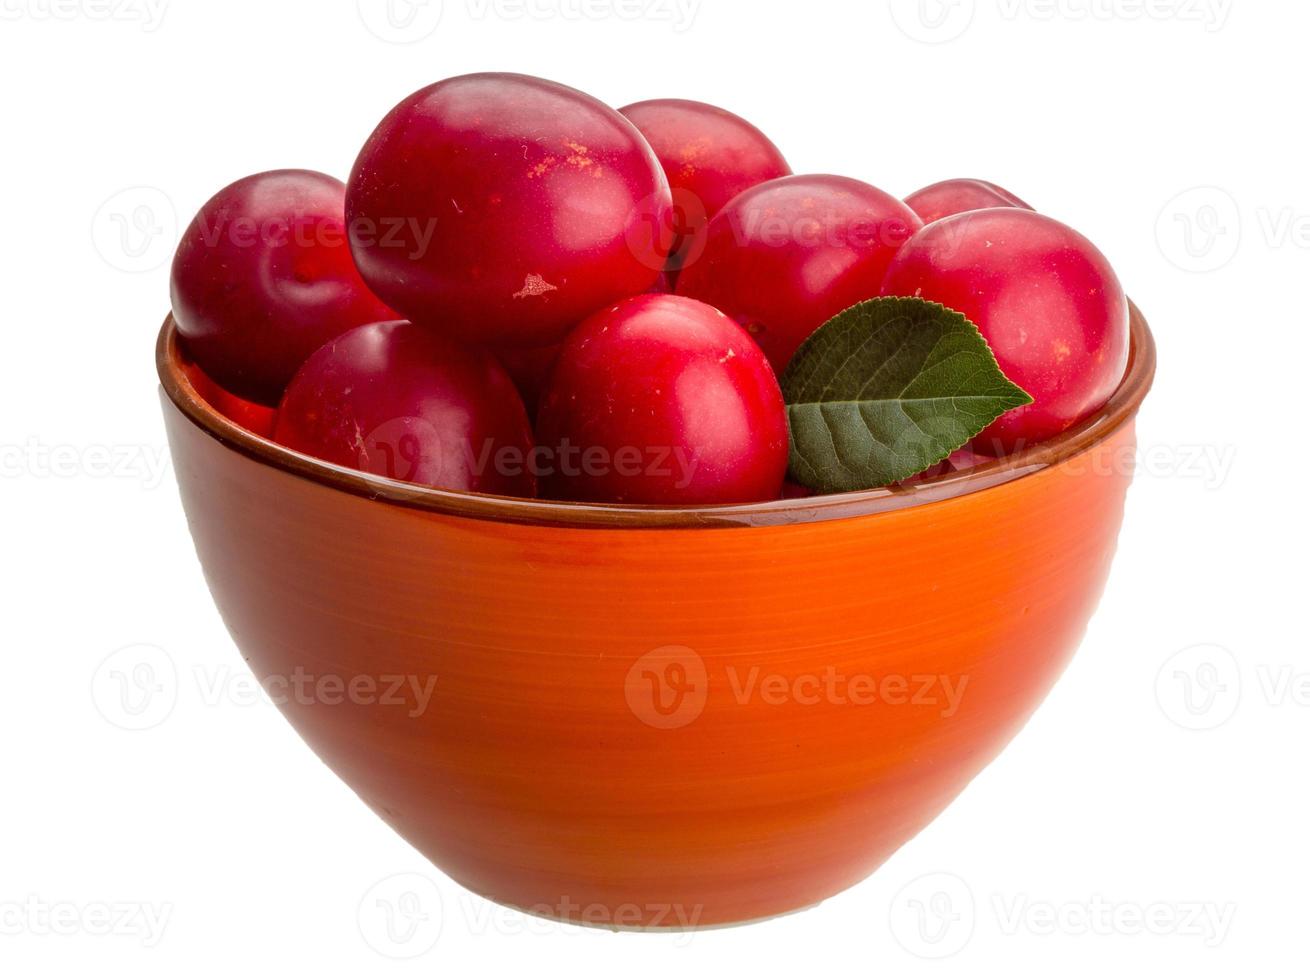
(678,927)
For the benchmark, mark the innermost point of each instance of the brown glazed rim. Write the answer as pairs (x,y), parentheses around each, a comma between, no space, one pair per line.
(1120,410)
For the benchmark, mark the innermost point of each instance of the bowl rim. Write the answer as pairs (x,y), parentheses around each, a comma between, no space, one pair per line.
(1122,407)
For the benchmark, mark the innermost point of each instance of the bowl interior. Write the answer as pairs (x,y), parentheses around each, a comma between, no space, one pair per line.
(183,386)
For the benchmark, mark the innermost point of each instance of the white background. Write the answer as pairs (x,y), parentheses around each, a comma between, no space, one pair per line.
(1163,781)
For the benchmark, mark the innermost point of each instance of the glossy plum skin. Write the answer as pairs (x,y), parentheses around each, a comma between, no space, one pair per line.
(1045,298)
(948,197)
(506,209)
(662,400)
(402,401)
(709,156)
(789,254)
(263,277)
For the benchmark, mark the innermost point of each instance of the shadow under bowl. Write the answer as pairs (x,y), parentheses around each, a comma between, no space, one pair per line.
(642,716)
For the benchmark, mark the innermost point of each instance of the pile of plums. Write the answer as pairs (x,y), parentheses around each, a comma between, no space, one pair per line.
(523,291)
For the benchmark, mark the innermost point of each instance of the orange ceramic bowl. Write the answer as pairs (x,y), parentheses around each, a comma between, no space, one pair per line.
(644,716)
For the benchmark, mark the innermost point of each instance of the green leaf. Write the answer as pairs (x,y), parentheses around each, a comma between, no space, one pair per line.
(884,390)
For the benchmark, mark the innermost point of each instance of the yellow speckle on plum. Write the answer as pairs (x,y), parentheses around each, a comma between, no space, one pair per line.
(534,285)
